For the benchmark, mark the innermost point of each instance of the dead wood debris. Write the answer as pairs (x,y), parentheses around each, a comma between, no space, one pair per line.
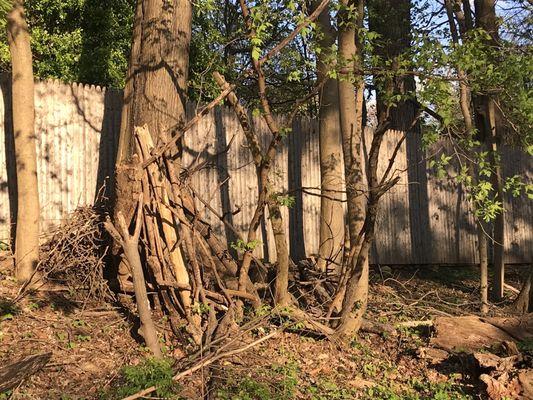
(13,374)
(74,255)
(468,333)
(504,376)
(130,245)
(226,350)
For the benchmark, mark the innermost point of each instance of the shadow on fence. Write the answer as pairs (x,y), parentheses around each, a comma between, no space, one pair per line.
(422,220)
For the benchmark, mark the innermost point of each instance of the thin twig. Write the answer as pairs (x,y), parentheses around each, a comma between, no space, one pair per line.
(204,363)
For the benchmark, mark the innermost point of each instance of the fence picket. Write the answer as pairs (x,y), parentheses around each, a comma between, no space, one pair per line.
(78,127)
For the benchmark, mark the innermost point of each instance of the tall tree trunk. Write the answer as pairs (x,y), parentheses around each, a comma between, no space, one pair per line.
(351,102)
(331,208)
(462,14)
(27,231)
(487,20)
(391,19)
(155,93)
(156,85)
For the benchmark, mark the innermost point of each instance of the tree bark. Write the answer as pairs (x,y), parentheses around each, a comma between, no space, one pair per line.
(156,85)
(28,210)
(155,98)
(391,19)
(465,102)
(524,301)
(355,300)
(351,102)
(331,231)
(488,123)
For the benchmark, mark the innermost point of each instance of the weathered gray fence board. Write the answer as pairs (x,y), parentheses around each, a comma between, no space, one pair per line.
(422,220)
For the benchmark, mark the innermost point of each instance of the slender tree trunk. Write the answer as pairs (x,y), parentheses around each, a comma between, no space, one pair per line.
(27,230)
(355,300)
(391,19)
(483,268)
(331,209)
(281,294)
(351,99)
(465,101)
(487,20)
(281,285)
(499,222)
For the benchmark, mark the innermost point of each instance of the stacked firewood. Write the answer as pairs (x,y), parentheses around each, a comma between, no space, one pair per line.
(173,251)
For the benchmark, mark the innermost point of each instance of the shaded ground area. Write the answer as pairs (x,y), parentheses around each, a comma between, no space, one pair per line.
(91,344)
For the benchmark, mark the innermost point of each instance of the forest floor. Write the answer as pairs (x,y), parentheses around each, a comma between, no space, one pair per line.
(95,354)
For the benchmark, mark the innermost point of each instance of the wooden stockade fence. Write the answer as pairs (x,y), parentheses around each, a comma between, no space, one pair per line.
(422,220)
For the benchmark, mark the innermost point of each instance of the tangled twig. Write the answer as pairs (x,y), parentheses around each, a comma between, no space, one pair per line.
(74,255)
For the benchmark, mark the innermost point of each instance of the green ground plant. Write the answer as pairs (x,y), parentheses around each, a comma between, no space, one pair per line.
(150,372)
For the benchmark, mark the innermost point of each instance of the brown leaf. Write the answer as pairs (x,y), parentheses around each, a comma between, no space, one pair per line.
(500,388)
(525,378)
(434,355)
(492,361)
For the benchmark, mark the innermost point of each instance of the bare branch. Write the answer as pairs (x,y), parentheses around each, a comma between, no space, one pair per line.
(314,15)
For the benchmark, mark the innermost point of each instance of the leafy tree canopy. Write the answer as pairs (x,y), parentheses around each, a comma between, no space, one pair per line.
(78,40)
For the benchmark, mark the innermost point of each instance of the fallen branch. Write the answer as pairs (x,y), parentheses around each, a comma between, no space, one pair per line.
(12,375)
(414,324)
(511,288)
(204,363)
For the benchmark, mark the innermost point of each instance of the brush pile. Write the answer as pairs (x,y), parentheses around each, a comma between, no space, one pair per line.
(74,255)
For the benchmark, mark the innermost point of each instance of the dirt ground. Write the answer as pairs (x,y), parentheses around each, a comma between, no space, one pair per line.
(92,343)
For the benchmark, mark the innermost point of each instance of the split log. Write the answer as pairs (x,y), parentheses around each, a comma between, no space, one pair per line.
(168,224)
